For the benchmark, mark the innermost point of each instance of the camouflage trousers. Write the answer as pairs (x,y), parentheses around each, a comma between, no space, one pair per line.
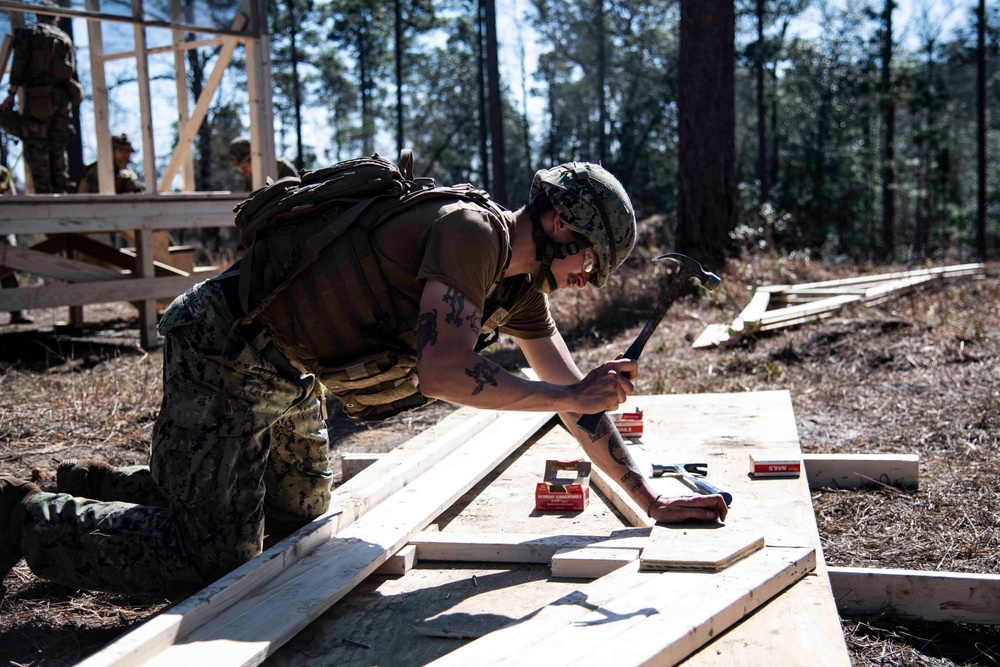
(235,440)
(45,150)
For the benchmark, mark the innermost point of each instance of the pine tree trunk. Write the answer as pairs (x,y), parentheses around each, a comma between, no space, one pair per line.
(888,240)
(707,188)
(499,191)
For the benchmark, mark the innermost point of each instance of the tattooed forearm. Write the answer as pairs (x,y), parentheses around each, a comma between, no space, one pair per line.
(618,452)
(632,481)
(427,331)
(483,374)
(475,321)
(603,428)
(457,303)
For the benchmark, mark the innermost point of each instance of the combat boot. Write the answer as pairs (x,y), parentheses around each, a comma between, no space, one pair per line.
(13,493)
(85,478)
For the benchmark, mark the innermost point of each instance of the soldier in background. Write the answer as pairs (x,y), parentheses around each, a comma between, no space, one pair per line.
(45,65)
(239,157)
(126,180)
(7,282)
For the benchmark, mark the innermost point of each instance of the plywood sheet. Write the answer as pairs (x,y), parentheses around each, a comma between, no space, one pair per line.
(699,548)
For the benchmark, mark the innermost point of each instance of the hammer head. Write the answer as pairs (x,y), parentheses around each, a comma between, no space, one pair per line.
(690,268)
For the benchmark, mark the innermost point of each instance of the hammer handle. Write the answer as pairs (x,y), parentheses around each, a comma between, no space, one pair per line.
(709,488)
(589,423)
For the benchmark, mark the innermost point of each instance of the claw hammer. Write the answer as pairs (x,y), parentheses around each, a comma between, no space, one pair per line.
(687,269)
(686,473)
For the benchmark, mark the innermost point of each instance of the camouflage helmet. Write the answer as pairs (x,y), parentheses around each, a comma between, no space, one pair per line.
(121,141)
(239,151)
(591,202)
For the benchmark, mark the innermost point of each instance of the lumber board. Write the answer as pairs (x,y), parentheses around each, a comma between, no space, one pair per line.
(699,548)
(398,468)
(954,270)
(714,334)
(948,597)
(621,501)
(251,629)
(852,471)
(399,563)
(515,547)
(590,562)
(352,463)
(54,266)
(81,294)
(114,213)
(651,616)
(751,314)
(816,307)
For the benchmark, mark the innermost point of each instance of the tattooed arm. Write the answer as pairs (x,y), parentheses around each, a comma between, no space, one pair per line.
(551,360)
(450,369)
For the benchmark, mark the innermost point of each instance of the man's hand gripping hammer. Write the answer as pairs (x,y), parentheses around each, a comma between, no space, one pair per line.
(687,269)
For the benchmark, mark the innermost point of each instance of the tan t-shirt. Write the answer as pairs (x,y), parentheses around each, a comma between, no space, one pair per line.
(465,247)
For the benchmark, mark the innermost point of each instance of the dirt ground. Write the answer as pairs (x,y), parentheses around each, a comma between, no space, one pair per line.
(919,374)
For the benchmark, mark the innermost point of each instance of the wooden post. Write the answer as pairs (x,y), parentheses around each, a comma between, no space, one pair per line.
(258,58)
(180,79)
(147,307)
(145,104)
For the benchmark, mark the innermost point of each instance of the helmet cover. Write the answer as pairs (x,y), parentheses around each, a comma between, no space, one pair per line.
(591,202)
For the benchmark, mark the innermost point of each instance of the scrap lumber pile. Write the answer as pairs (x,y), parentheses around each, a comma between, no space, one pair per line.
(778,306)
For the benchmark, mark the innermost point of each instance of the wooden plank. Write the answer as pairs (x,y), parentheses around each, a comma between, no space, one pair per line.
(253,628)
(399,563)
(178,45)
(53,266)
(516,548)
(79,294)
(400,467)
(816,307)
(714,334)
(851,471)
(954,270)
(621,501)
(112,213)
(699,548)
(407,462)
(939,597)
(661,617)
(590,562)
(351,463)
(99,95)
(753,312)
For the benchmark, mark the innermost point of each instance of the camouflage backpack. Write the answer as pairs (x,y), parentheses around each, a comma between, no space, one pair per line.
(52,52)
(287,227)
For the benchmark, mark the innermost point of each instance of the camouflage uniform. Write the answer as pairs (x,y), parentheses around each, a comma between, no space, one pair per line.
(126,180)
(239,154)
(236,439)
(47,118)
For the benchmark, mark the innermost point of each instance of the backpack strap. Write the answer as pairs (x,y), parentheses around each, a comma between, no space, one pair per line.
(406,163)
(310,253)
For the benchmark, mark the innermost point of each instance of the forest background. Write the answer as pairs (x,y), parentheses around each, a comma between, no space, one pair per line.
(833,128)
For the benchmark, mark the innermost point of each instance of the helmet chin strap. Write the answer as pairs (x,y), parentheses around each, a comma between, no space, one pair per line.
(547,250)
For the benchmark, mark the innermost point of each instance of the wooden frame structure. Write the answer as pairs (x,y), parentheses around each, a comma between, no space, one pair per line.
(662,617)
(151,271)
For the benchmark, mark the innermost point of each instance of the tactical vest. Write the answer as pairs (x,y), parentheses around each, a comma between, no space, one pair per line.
(311,276)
